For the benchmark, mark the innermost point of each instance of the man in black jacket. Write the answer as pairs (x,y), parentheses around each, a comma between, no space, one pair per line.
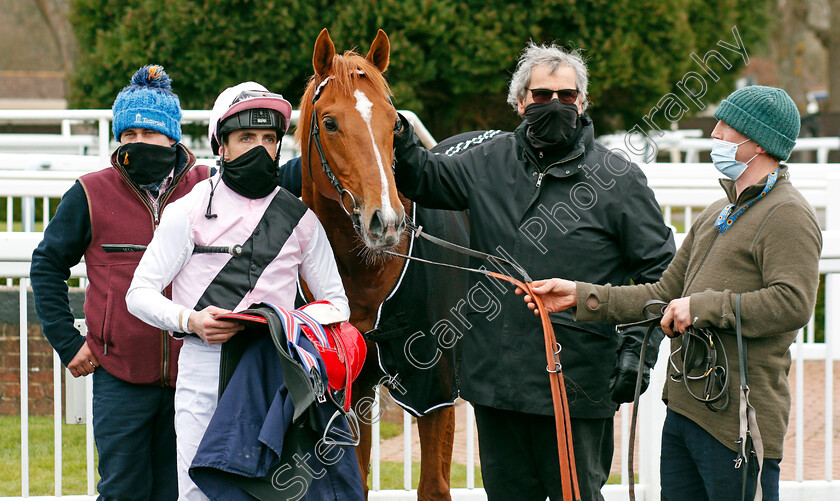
(550,198)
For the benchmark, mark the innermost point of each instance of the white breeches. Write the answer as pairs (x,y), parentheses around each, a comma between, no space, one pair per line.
(196,395)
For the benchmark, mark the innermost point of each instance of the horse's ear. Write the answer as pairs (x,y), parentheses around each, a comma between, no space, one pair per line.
(322,58)
(380,51)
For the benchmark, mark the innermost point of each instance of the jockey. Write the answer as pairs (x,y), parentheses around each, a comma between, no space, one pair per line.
(243,205)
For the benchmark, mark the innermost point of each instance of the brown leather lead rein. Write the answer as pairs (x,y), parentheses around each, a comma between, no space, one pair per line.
(562,420)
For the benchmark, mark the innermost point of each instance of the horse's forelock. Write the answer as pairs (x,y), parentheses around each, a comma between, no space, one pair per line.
(346,70)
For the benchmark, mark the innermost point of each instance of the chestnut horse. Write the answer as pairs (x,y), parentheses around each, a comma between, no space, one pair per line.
(349,100)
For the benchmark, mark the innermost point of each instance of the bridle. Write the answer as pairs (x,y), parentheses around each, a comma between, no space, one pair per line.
(315,138)
(703,359)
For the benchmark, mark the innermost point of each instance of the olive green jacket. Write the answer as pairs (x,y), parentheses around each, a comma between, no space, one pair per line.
(770,255)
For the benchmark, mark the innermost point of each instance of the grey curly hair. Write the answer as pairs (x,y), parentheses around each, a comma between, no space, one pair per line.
(554,57)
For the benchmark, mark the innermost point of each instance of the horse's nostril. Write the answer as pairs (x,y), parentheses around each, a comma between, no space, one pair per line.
(377,224)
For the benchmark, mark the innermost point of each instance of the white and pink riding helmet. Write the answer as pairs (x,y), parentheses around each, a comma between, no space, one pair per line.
(227,114)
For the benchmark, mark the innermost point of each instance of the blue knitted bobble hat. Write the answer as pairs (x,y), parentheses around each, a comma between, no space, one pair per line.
(766,115)
(148,102)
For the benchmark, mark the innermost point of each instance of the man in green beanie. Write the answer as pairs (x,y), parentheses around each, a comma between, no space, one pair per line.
(757,250)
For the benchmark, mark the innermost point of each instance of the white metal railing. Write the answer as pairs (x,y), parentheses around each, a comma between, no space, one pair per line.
(679,188)
(101,144)
(686,145)
(13,248)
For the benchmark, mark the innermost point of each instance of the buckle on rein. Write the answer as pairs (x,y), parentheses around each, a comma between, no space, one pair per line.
(745,450)
(558,368)
(319,387)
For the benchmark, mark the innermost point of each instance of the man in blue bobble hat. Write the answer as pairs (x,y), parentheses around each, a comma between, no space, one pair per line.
(133,364)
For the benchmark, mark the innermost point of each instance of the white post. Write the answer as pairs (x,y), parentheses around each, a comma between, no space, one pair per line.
(46,212)
(800,404)
(832,222)
(104,141)
(830,328)
(406,451)
(651,418)
(470,445)
(24,394)
(57,421)
(822,155)
(374,439)
(91,487)
(626,417)
(10,212)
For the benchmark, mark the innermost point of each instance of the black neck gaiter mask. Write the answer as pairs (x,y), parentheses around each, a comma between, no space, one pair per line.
(145,163)
(551,125)
(254,174)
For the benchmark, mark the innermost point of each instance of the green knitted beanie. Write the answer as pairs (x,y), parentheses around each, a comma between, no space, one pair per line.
(766,115)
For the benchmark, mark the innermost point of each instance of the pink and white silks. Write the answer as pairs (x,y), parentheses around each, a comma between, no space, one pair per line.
(169,259)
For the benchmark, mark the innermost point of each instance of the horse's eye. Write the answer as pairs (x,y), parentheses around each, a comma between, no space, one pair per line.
(398,125)
(330,124)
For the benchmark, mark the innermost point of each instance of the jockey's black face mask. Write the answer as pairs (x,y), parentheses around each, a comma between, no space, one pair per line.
(253,174)
(146,163)
(551,125)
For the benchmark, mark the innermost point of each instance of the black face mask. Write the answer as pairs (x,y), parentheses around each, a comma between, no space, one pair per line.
(552,124)
(146,163)
(253,174)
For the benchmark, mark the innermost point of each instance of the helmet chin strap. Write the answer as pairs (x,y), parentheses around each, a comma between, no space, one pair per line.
(209,213)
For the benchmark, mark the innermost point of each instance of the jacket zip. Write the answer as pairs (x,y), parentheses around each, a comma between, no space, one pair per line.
(545,171)
(155,213)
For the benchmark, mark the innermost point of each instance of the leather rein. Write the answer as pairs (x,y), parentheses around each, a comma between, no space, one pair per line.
(355,213)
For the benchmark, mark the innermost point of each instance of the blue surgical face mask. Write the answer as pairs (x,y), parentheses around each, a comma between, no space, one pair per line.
(723,156)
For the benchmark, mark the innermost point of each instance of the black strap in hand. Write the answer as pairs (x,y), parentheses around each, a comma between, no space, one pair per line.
(652,320)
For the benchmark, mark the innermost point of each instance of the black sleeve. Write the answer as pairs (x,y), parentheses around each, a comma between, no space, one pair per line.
(65,240)
(646,242)
(433,181)
(291,177)
(648,246)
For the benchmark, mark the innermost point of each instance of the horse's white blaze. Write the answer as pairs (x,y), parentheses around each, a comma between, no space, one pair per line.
(363,105)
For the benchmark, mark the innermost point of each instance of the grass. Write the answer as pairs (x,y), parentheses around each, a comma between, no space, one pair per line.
(389,430)
(391,475)
(41,457)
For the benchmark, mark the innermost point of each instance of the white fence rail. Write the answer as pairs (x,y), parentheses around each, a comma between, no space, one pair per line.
(16,248)
(67,146)
(685,146)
